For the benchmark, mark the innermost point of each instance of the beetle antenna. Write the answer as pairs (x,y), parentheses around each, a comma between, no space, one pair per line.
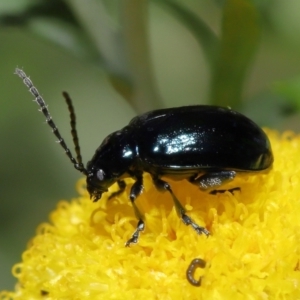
(44,109)
(73,129)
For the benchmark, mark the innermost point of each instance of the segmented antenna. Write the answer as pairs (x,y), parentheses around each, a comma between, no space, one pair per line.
(73,129)
(44,109)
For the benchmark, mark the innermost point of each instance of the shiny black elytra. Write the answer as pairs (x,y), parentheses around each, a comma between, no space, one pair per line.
(205,145)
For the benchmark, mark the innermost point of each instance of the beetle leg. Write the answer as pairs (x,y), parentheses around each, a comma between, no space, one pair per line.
(135,236)
(135,191)
(212,179)
(122,186)
(162,185)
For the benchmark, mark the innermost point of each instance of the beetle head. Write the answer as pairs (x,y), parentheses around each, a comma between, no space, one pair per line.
(98,182)
(111,162)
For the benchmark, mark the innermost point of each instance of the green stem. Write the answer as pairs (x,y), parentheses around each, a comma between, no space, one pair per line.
(240,38)
(134,20)
(207,39)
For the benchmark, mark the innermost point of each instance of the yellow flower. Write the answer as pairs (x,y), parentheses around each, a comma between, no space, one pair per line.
(253,251)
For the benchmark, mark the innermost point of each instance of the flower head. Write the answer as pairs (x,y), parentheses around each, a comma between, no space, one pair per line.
(253,251)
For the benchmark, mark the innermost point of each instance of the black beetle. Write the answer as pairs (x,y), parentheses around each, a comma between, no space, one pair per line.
(205,145)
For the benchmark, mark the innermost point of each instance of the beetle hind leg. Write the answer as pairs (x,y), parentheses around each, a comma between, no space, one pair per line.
(162,185)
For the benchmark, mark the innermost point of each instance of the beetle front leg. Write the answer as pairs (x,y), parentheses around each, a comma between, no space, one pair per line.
(212,180)
(162,185)
(135,191)
(122,186)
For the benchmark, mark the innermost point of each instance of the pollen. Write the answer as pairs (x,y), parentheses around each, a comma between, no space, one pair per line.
(253,251)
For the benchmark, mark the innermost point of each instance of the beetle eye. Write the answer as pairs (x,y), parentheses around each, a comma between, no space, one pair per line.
(100,174)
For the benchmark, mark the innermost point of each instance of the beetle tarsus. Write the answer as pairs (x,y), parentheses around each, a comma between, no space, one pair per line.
(135,237)
(188,221)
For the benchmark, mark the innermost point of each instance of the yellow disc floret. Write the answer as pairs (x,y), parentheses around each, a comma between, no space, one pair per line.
(253,251)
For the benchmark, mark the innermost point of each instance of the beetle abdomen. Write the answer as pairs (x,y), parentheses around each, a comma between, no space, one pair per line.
(201,137)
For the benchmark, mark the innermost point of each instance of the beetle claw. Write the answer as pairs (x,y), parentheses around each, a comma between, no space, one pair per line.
(135,236)
(188,221)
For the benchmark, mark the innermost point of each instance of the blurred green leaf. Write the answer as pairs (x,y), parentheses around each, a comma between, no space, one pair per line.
(240,37)
(135,38)
(87,30)
(15,6)
(53,21)
(64,34)
(290,89)
(205,36)
(102,31)
(124,48)
(267,109)
(24,11)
